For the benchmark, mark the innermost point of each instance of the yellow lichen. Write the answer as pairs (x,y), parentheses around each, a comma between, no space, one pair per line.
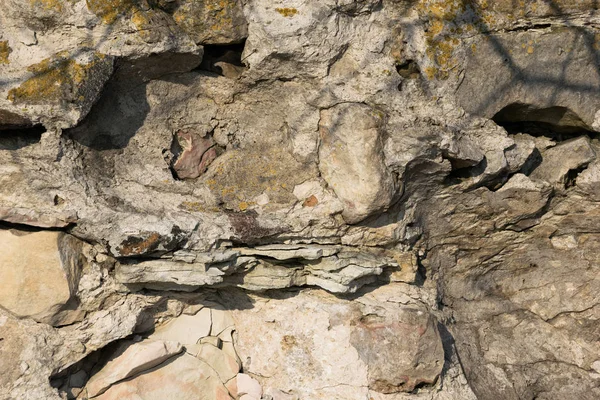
(287,12)
(206,19)
(57,78)
(239,177)
(53,5)
(5,51)
(194,206)
(110,10)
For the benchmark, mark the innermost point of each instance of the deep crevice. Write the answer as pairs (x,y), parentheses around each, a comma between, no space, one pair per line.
(457,175)
(225,60)
(18,138)
(557,123)
(571,178)
(5,225)
(90,365)
(408,70)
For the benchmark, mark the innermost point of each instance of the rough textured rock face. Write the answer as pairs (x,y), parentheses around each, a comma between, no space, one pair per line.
(269,200)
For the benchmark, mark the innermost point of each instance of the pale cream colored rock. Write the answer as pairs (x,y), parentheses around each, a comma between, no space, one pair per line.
(213,340)
(226,366)
(332,343)
(182,378)
(350,159)
(247,385)
(164,274)
(221,320)
(137,358)
(185,329)
(40,272)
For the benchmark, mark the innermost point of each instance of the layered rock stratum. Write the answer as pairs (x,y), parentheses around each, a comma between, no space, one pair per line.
(299,200)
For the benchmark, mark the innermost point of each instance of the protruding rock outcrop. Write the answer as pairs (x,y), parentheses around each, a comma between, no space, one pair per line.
(40,275)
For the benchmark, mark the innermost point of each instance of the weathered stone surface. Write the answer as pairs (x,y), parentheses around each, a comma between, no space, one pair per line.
(246,385)
(526,85)
(334,268)
(184,378)
(567,156)
(336,348)
(137,358)
(185,329)
(172,274)
(69,84)
(40,273)
(350,159)
(20,349)
(211,22)
(56,77)
(225,365)
(430,162)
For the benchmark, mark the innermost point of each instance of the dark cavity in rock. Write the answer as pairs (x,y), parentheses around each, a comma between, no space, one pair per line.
(225,60)
(557,122)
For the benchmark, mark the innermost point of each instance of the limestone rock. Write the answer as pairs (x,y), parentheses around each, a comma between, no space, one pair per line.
(60,91)
(325,346)
(246,385)
(211,22)
(40,272)
(350,160)
(183,378)
(287,252)
(564,157)
(346,199)
(55,78)
(137,358)
(526,86)
(334,268)
(167,273)
(185,329)
(225,365)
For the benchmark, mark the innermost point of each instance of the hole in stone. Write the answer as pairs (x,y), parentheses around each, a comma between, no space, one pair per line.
(17,138)
(225,60)
(571,178)
(457,175)
(558,123)
(408,69)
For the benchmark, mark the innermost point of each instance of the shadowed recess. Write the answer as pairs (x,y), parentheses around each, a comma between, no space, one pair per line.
(556,121)
(17,138)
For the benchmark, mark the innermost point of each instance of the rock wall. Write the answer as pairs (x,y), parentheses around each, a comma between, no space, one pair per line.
(285,200)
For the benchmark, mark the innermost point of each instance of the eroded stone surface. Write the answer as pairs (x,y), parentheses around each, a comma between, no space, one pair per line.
(40,273)
(350,159)
(430,162)
(339,348)
(185,377)
(137,358)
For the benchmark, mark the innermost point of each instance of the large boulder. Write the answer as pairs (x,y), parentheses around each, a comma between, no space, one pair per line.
(40,273)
